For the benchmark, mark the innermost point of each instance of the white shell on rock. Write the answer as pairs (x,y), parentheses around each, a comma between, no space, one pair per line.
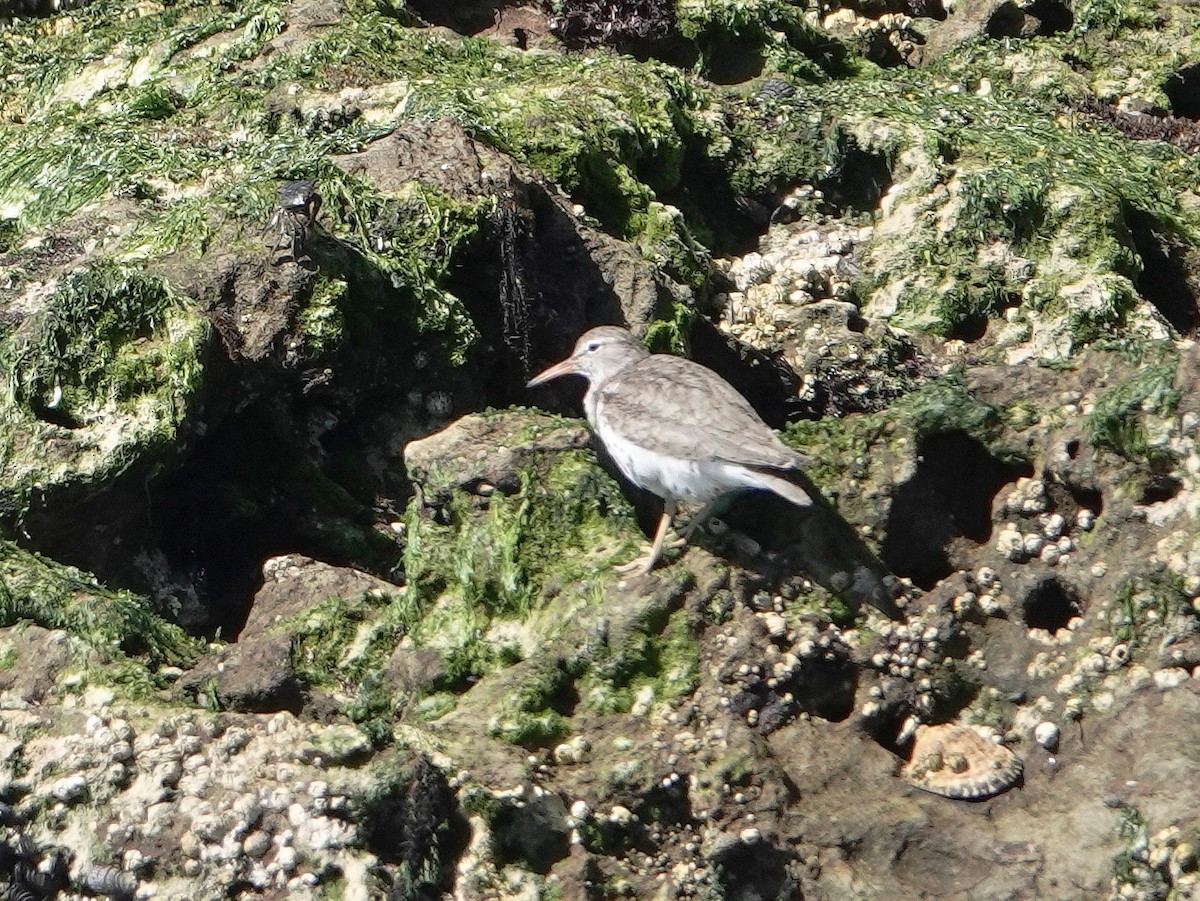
(957,762)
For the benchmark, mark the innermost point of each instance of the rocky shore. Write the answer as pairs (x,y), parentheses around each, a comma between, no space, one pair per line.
(304,595)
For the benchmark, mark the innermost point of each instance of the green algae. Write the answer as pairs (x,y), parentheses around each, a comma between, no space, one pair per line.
(499,562)
(778,35)
(411,241)
(658,653)
(487,580)
(976,172)
(1147,606)
(322,321)
(89,345)
(839,448)
(123,625)
(1120,415)
(623,137)
(110,367)
(527,716)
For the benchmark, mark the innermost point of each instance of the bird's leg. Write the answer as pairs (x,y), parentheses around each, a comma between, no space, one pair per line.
(697,521)
(645,563)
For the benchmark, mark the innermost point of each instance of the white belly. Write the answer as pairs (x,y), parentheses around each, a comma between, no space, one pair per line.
(690,481)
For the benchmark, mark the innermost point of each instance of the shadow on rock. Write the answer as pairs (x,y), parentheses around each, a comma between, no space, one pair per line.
(778,540)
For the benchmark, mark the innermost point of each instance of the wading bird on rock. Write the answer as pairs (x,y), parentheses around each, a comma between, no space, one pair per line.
(676,428)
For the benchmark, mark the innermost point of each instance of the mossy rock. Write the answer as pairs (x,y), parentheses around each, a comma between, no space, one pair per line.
(103,379)
(133,638)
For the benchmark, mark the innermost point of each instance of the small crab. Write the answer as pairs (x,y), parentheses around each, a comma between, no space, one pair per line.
(294,220)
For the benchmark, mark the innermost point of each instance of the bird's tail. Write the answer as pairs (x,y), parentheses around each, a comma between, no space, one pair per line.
(785,488)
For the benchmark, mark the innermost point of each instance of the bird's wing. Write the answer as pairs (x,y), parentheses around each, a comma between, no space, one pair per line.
(685,410)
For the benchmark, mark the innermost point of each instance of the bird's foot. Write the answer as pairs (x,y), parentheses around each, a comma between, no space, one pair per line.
(636,567)
(644,563)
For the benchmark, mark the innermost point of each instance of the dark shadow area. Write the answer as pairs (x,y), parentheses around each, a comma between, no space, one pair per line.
(818,686)
(1039,19)
(1050,605)
(246,494)
(1089,498)
(814,541)
(666,804)
(1055,16)
(532,288)
(1067,498)
(467,17)
(859,181)
(1183,91)
(948,498)
(970,328)
(928,9)
(1165,279)
(755,872)
(1159,488)
(729,58)
(973,327)
(531,835)
(886,726)
(881,48)
(413,825)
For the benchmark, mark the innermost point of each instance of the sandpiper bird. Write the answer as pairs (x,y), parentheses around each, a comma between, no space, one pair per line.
(675,428)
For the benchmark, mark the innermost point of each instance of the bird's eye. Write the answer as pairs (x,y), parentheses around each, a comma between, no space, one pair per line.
(595,345)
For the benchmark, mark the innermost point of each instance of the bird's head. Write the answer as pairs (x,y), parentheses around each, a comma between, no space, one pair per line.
(600,353)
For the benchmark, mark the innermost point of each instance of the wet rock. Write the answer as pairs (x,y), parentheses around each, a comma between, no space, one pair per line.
(38,657)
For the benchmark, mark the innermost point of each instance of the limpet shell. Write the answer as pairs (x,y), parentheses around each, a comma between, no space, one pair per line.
(957,762)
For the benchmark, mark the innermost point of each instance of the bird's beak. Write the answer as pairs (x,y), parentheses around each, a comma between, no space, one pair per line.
(566,367)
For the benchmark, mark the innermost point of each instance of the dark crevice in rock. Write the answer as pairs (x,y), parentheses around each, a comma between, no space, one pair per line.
(1037,19)
(820,687)
(885,728)
(1082,498)
(748,872)
(949,498)
(1067,498)
(859,181)
(974,326)
(415,829)
(249,492)
(731,59)
(1159,488)
(1050,605)
(532,835)
(1183,91)
(666,804)
(531,288)
(1164,280)
(467,17)
(928,9)
(970,328)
